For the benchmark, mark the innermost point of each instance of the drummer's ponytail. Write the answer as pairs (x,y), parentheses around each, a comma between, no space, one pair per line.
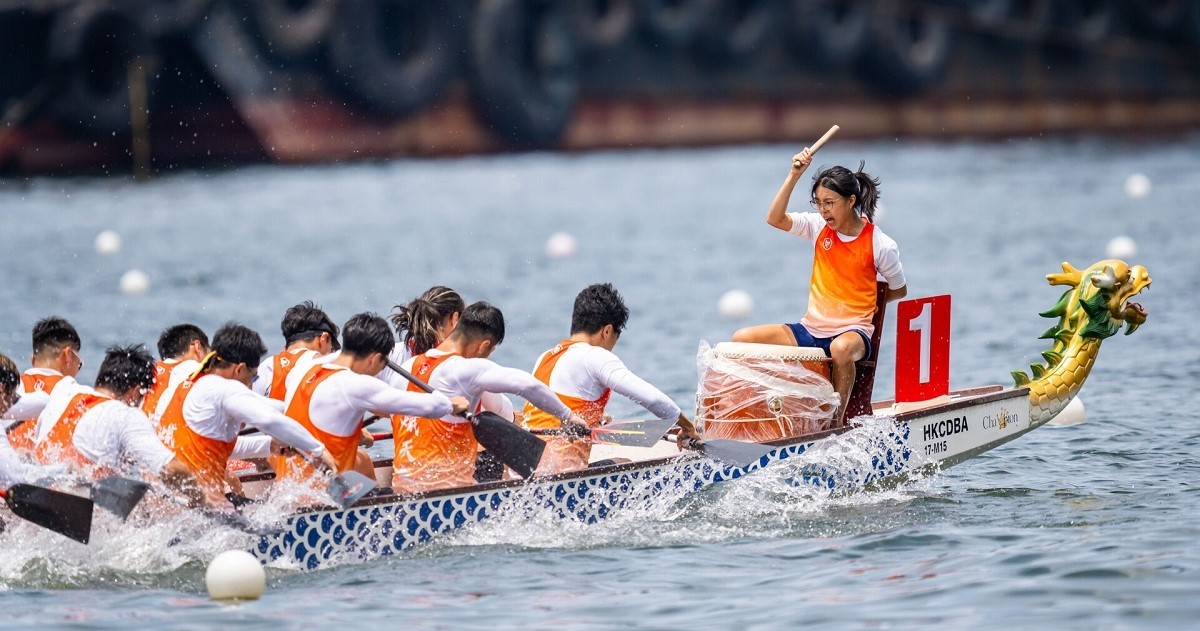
(869,195)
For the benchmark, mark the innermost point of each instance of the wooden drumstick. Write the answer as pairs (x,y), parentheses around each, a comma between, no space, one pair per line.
(818,144)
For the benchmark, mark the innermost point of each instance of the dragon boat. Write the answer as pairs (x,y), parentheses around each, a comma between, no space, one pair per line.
(788,419)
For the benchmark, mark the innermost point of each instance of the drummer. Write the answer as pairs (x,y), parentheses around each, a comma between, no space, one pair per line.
(583,371)
(850,253)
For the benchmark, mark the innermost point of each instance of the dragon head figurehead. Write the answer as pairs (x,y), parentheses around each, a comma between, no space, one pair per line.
(1095,307)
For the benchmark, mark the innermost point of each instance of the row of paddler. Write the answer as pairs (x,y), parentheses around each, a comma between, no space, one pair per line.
(181,419)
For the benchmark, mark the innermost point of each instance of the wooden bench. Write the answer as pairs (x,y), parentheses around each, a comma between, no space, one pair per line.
(859,402)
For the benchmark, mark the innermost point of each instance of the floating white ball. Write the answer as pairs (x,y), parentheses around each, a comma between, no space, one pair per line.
(1073,414)
(235,575)
(1121,247)
(880,212)
(560,245)
(1137,185)
(135,282)
(108,242)
(735,304)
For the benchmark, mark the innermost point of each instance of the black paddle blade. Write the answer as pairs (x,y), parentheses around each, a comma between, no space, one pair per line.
(734,452)
(347,488)
(119,495)
(514,446)
(69,515)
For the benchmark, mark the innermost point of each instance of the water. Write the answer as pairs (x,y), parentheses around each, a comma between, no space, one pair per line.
(1090,526)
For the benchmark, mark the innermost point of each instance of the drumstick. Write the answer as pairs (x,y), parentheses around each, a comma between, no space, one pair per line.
(818,144)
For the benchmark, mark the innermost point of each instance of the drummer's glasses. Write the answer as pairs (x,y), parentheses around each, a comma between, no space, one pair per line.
(827,204)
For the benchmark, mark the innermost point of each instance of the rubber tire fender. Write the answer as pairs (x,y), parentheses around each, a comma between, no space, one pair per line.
(736,29)
(910,49)
(164,18)
(291,32)
(395,56)
(833,32)
(600,24)
(1158,18)
(91,46)
(675,23)
(1087,22)
(524,69)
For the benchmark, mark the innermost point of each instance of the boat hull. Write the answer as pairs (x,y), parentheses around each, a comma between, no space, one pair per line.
(966,424)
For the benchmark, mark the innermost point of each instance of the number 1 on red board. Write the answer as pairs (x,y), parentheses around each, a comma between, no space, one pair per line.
(922,348)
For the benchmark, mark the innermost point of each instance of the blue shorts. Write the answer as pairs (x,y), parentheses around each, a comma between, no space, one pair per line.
(804,338)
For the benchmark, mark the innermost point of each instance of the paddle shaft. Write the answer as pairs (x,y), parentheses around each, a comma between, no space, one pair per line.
(818,144)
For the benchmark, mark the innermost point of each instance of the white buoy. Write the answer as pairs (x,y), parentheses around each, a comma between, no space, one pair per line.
(1137,185)
(235,575)
(1073,414)
(735,304)
(880,212)
(1121,247)
(560,245)
(135,282)
(108,242)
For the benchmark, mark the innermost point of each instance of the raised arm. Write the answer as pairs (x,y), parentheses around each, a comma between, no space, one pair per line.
(777,214)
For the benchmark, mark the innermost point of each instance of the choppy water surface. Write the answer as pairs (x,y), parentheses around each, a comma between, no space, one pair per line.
(1083,527)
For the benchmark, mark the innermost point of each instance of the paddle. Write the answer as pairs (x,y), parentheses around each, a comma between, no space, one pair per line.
(818,144)
(118,495)
(68,515)
(641,433)
(515,447)
(731,452)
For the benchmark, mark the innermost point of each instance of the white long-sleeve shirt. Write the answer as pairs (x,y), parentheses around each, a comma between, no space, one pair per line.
(179,372)
(338,403)
(217,407)
(113,433)
(56,405)
(472,378)
(585,371)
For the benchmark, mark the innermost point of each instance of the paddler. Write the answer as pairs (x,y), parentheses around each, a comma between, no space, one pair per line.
(583,371)
(55,360)
(850,253)
(103,429)
(181,347)
(13,468)
(308,333)
(423,323)
(439,453)
(210,407)
(329,399)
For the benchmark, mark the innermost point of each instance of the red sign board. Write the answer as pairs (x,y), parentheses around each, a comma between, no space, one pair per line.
(922,349)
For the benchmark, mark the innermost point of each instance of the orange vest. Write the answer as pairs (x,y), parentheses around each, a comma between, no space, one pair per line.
(591,411)
(21,437)
(205,457)
(283,364)
(162,378)
(842,291)
(172,418)
(563,454)
(344,449)
(431,453)
(59,443)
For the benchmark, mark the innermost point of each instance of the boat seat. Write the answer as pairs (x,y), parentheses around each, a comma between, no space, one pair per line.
(859,402)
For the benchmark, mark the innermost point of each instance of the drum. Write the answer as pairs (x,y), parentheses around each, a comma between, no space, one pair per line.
(763,392)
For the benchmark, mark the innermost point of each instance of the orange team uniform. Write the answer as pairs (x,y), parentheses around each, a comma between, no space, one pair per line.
(162,378)
(205,457)
(282,365)
(344,449)
(563,454)
(22,436)
(841,295)
(59,443)
(431,453)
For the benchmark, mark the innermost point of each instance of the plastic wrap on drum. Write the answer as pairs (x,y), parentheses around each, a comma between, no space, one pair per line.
(759,397)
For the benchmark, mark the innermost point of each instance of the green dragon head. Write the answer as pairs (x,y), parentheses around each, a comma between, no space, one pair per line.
(1095,307)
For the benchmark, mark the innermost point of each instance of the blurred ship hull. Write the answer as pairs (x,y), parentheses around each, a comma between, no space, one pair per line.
(110,85)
